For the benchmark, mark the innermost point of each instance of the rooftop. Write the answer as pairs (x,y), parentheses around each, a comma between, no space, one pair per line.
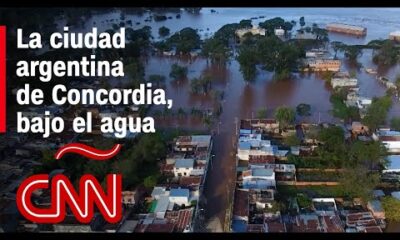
(179,192)
(262,172)
(181,218)
(346,26)
(184,163)
(190,181)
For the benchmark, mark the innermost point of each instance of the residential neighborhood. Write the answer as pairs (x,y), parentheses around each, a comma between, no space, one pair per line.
(283,121)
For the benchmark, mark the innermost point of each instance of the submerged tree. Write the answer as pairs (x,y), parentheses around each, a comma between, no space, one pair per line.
(285,116)
(178,72)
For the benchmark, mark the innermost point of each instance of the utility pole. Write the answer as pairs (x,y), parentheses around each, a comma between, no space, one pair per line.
(319,117)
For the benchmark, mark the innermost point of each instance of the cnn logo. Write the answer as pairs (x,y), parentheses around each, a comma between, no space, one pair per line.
(63,193)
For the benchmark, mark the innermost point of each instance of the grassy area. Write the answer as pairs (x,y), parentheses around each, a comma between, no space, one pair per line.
(152,206)
(311,191)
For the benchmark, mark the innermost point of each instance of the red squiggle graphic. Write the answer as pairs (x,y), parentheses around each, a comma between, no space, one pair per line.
(87,151)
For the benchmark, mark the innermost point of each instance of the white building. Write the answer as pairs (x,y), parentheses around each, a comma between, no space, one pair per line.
(391,140)
(180,196)
(255,30)
(279,32)
(343,79)
(323,65)
(183,167)
(259,178)
(324,206)
(253,145)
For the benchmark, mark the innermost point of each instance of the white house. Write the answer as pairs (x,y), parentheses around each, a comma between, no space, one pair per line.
(259,178)
(324,206)
(343,79)
(183,167)
(391,140)
(279,32)
(255,30)
(252,145)
(180,196)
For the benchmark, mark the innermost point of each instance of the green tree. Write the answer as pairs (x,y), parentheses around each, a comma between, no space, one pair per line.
(262,113)
(247,59)
(140,160)
(178,72)
(185,40)
(358,182)
(391,206)
(377,112)
(395,123)
(337,46)
(271,24)
(277,56)
(368,154)
(331,136)
(163,31)
(340,110)
(245,23)
(352,52)
(150,181)
(302,22)
(292,140)
(285,116)
(388,54)
(216,50)
(303,109)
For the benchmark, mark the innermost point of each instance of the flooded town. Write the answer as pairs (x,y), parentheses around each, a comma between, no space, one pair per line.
(283,120)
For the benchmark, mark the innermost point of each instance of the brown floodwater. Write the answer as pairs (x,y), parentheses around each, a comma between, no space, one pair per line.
(242,100)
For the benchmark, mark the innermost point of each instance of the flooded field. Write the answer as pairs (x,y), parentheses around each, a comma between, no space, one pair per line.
(241,99)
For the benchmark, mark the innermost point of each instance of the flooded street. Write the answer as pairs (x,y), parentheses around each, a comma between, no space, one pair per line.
(242,100)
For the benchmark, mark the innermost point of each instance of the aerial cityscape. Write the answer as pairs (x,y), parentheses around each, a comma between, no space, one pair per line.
(284,120)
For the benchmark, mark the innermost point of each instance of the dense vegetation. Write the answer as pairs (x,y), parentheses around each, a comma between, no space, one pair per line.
(137,162)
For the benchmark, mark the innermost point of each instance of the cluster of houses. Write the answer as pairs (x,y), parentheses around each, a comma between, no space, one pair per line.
(174,204)
(353,99)
(262,165)
(254,205)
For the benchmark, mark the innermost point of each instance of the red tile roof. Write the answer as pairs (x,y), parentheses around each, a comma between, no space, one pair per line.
(241,203)
(332,224)
(180,219)
(263,159)
(373,229)
(189,181)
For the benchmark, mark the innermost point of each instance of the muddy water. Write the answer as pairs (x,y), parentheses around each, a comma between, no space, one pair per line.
(242,100)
